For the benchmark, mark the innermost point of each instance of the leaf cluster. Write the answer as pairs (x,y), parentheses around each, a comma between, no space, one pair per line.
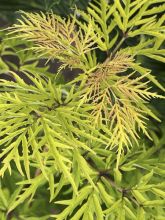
(93,141)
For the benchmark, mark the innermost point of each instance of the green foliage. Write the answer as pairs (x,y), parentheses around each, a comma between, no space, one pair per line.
(94,142)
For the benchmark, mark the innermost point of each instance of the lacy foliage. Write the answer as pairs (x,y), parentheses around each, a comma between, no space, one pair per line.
(83,137)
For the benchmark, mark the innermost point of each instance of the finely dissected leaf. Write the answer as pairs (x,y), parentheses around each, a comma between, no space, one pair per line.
(23,192)
(83,194)
(56,31)
(26,156)
(59,186)
(51,186)
(94,142)
(28,192)
(15,195)
(84,167)
(144,71)
(106,97)
(7,161)
(59,160)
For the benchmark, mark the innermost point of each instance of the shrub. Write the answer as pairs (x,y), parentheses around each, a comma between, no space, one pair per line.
(92,141)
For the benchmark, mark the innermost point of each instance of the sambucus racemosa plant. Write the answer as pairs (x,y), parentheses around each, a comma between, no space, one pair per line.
(83,137)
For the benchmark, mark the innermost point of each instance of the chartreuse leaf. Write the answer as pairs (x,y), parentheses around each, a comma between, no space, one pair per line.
(97,205)
(89,212)
(139,196)
(4,199)
(113,41)
(35,183)
(106,197)
(26,156)
(11,156)
(140,213)
(62,182)
(80,212)
(3,215)
(156,57)
(100,14)
(15,195)
(114,207)
(51,186)
(97,160)
(117,175)
(84,167)
(146,72)
(3,66)
(145,179)
(37,154)
(129,210)
(17,161)
(75,202)
(23,192)
(159,192)
(154,203)
(76,172)
(60,162)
